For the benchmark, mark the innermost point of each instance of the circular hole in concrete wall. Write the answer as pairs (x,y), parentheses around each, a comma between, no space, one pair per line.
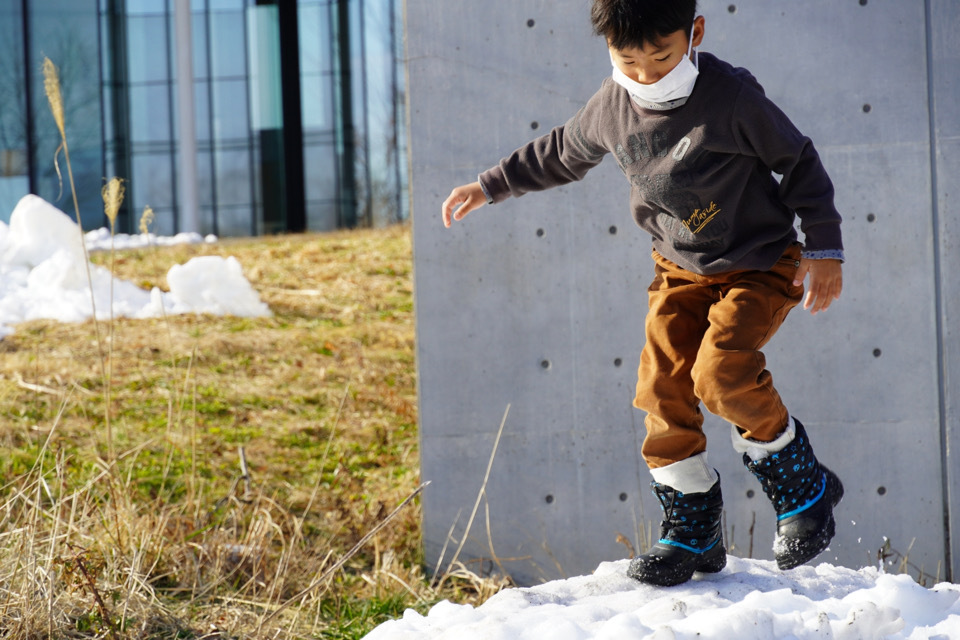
(867,108)
(863,3)
(549,499)
(877,353)
(613,230)
(732,8)
(881,491)
(544,364)
(871,217)
(531,22)
(623,497)
(534,125)
(750,493)
(540,233)
(617,362)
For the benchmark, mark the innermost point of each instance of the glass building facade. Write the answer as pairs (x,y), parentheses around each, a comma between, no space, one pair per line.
(296,111)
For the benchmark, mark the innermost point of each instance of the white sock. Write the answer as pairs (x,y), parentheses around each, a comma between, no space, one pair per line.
(692,475)
(757,450)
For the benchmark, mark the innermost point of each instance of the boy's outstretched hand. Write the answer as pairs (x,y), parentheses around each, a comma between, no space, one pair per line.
(469,197)
(826,282)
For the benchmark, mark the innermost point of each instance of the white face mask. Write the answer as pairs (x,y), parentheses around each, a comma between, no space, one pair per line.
(670,91)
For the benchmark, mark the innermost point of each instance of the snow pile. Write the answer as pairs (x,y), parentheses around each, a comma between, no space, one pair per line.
(748,600)
(43,274)
(100,240)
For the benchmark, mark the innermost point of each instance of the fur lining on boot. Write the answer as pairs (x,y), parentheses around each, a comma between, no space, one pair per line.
(692,475)
(759,450)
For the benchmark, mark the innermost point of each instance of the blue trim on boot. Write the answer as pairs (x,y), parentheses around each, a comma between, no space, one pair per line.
(674,543)
(801,509)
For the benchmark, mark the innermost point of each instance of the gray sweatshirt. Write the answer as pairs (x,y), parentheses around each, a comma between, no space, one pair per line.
(701,175)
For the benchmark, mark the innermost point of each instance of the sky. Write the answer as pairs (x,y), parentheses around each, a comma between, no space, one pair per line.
(748,600)
(43,274)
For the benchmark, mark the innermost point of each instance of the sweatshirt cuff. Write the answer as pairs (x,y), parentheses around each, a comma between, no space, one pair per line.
(826,254)
(820,238)
(486,193)
(494,185)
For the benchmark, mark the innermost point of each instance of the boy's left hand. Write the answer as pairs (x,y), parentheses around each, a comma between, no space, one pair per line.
(826,282)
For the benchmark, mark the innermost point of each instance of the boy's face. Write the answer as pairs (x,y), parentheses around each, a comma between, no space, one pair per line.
(654,60)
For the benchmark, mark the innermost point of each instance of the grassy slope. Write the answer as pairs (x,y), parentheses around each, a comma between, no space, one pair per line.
(169,538)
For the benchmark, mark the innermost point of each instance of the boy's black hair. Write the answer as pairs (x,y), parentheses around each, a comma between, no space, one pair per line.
(634,23)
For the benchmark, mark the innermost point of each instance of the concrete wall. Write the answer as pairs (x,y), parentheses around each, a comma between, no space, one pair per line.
(538,303)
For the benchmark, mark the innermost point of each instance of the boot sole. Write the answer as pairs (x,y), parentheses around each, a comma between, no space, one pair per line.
(653,569)
(801,552)
(713,561)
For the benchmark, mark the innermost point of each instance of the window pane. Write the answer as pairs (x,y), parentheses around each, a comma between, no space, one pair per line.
(322,216)
(234,221)
(320,171)
(227,46)
(266,100)
(12,188)
(314,28)
(230,119)
(145,7)
(205,177)
(316,101)
(233,177)
(150,113)
(201,99)
(152,180)
(13,135)
(108,118)
(207,224)
(198,29)
(226,5)
(146,44)
(67,31)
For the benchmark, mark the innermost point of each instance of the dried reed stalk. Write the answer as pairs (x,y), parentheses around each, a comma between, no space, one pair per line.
(480,496)
(51,85)
(112,193)
(146,219)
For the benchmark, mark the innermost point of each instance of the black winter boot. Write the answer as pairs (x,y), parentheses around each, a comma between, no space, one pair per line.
(803,493)
(691,538)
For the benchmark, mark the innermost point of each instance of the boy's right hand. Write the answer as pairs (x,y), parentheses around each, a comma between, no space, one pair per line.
(468,198)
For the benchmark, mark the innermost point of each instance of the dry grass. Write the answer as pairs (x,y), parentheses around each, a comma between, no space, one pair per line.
(250,455)
(202,476)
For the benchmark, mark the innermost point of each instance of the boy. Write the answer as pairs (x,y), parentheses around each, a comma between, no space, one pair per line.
(699,142)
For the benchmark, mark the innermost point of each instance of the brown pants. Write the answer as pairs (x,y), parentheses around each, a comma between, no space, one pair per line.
(704,335)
